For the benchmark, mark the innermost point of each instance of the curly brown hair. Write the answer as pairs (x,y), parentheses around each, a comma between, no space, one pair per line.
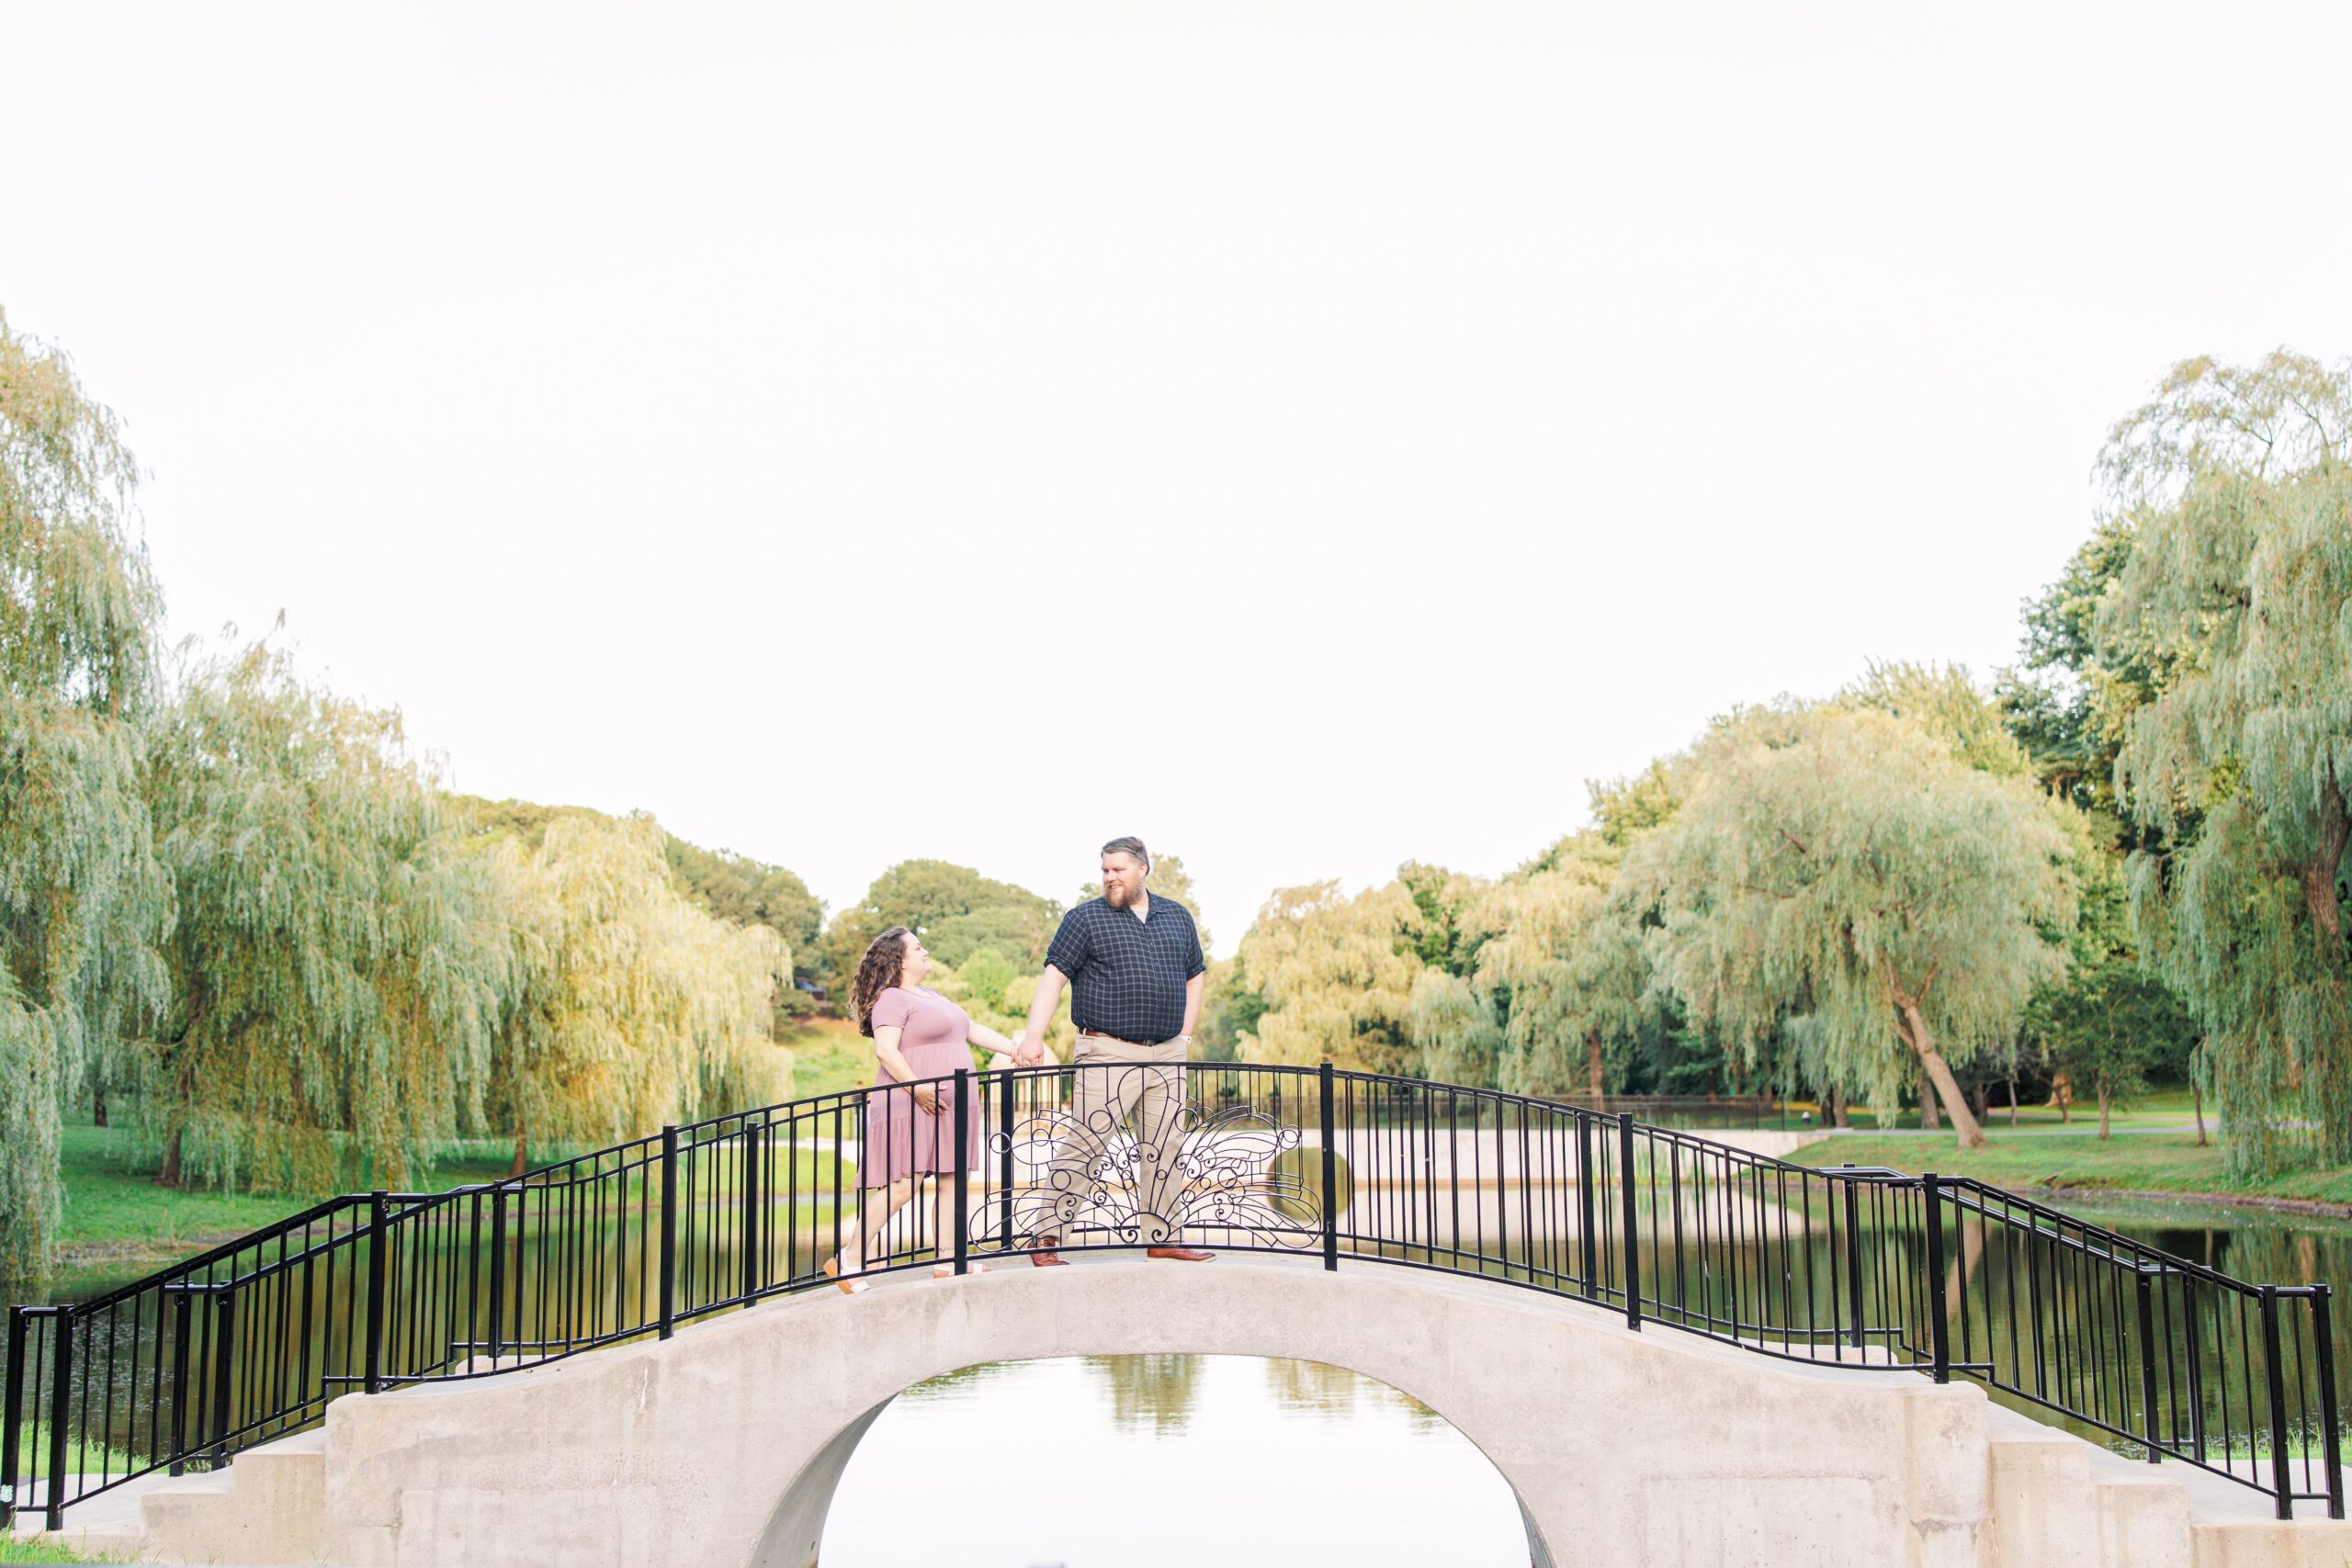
(876,973)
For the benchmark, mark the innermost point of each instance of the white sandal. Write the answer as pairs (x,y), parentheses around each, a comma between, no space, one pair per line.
(948,1271)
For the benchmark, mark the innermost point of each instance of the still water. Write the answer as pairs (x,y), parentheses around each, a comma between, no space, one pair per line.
(1130,1462)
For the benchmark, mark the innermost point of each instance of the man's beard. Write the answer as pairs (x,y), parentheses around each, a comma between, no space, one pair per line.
(1120,898)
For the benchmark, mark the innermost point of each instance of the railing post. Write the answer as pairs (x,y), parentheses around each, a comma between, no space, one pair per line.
(379,1233)
(2189,1358)
(1330,1172)
(2274,1371)
(224,1324)
(12,1397)
(183,1321)
(754,1246)
(2331,1424)
(1630,1205)
(1854,1261)
(1502,1197)
(497,1271)
(1939,1307)
(963,1176)
(669,1232)
(2148,1361)
(1008,1091)
(1588,1244)
(60,1379)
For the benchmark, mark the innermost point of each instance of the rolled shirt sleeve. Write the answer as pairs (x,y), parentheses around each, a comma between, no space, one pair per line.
(1068,952)
(1197,963)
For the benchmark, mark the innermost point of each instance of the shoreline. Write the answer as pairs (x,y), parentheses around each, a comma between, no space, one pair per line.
(2315,1208)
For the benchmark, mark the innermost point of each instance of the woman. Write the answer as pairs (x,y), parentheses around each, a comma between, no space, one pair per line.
(909,1132)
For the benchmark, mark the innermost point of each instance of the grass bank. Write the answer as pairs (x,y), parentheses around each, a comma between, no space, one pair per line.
(17,1549)
(2145,1162)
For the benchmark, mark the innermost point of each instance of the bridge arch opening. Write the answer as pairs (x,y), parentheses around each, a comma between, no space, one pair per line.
(1145,1459)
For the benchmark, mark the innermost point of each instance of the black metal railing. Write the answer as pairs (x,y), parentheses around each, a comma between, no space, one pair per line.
(1843,1266)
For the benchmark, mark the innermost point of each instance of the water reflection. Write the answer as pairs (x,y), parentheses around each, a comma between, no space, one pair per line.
(1130,1462)
(1150,1393)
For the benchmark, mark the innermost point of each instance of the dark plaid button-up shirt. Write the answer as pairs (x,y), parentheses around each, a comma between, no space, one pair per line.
(1127,975)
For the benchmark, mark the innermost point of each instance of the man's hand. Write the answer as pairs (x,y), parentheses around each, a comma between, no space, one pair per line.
(1025,1054)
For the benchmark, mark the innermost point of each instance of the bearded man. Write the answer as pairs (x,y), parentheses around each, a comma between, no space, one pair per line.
(1134,965)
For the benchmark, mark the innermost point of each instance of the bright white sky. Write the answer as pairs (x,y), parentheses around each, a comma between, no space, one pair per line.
(1307,435)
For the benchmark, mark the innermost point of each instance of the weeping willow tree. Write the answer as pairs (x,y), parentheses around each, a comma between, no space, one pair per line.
(1859,876)
(2234,487)
(337,965)
(83,901)
(630,1005)
(1568,963)
(1337,977)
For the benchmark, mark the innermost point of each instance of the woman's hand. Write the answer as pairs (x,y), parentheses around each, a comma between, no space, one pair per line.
(927,1096)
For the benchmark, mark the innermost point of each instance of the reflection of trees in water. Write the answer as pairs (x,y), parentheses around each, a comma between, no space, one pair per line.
(1321,1390)
(1159,1393)
(1150,1392)
(963,1381)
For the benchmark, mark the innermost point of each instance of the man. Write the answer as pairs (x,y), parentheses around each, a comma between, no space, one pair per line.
(1134,965)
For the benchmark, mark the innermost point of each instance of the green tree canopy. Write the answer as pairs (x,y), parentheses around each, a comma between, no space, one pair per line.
(2234,486)
(957,910)
(1336,976)
(83,900)
(336,967)
(750,893)
(1861,876)
(628,1006)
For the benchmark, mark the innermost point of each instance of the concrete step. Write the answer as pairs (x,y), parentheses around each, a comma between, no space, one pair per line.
(2052,1503)
(2057,1499)
(268,1507)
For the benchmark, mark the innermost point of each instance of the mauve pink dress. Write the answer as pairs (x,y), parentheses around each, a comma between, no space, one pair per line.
(901,1139)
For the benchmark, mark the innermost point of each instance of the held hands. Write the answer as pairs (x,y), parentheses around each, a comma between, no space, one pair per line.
(1025,1054)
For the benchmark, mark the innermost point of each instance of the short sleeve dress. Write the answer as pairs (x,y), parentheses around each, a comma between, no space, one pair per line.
(901,1139)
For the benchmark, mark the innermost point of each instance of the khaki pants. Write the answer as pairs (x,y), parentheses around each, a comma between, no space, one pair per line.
(1134,1184)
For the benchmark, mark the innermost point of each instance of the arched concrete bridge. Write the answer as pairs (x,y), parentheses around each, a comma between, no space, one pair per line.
(1675,1351)
(722,1446)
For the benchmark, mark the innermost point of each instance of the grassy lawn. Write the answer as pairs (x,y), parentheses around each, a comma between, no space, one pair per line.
(114,1210)
(829,1055)
(32,1453)
(2150,1162)
(13,1549)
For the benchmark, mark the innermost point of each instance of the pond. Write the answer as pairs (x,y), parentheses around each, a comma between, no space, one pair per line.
(1134,1461)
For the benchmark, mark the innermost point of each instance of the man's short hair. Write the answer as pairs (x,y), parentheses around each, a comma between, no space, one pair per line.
(1132,849)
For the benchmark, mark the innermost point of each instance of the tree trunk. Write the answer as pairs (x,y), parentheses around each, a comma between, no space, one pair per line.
(98,1105)
(2062,1094)
(1592,1067)
(1971,1135)
(2319,873)
(522,1151)
(1839,1114)
(170,1175)
(1929,1121)
(2105,1094)
(1980,1099)
(2013,1099)
(2197,1098)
